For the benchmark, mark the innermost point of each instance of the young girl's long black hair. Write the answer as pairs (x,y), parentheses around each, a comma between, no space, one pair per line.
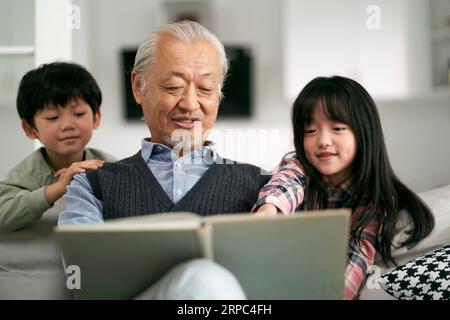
(373,180)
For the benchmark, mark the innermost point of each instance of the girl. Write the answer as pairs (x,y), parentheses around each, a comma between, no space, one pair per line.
(340,161)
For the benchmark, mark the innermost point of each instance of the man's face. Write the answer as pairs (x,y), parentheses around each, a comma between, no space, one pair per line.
(180,99)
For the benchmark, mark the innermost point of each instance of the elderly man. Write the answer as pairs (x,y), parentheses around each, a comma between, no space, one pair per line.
(177,79)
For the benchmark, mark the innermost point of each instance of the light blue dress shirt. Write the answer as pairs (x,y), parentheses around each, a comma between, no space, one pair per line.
(175,175)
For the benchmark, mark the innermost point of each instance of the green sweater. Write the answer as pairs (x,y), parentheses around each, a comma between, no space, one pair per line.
(22,199)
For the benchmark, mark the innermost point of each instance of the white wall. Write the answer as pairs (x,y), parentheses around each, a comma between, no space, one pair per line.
(264,138)
(236,23)
(16,29)
(383,44)
(417,130)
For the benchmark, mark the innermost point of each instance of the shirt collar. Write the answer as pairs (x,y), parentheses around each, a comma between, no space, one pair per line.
(150,150)
(344,188)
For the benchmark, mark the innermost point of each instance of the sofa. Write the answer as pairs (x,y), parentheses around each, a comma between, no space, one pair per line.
(31,264)
(438,200)
(30,261)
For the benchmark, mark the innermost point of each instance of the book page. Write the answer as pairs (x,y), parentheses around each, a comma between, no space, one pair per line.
(204,238)
(163,221)
(301,256)
(122,264)
(158,217)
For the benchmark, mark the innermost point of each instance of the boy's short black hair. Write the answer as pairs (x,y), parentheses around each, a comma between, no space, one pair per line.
(56,83)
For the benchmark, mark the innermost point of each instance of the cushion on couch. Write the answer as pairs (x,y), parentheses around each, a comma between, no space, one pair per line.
(438,200)
(425,278)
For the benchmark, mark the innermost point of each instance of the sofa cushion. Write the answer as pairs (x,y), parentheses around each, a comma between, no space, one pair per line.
(425,278)
(438,200)
(30,261)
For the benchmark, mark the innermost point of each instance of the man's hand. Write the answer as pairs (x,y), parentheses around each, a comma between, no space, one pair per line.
(55,191)
(267,210)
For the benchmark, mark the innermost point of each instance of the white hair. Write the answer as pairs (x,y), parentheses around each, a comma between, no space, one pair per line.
(186,31)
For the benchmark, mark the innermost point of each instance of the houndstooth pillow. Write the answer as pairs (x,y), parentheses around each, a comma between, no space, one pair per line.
(425,278)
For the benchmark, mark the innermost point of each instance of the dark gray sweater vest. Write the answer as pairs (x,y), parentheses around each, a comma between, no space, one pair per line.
(129,188)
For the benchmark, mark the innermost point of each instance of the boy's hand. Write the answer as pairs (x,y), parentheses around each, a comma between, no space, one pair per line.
(267,210)
(55,191)
(65,175)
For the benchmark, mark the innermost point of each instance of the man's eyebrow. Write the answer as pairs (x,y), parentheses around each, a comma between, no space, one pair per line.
(182,75)
(207,74)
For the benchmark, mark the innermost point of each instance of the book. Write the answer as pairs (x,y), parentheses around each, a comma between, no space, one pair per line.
(301,256)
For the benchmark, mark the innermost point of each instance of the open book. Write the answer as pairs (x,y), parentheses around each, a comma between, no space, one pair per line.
(302,256)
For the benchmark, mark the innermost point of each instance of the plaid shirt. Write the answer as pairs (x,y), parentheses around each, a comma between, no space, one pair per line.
(286,191)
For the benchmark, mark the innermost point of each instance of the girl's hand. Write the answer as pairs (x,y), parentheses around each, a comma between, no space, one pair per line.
(267,210)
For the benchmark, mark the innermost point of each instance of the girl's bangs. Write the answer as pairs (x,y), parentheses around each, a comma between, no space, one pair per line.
(332,107)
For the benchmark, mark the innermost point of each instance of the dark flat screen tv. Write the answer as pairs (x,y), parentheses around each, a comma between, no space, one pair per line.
(237,90)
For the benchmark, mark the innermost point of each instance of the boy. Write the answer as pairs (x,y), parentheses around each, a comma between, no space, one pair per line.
(59,104)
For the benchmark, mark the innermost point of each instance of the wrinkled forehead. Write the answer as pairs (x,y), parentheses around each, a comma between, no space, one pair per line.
(200,54)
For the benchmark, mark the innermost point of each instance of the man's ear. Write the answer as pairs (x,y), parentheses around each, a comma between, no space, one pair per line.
(136,85)
(29,130)
(97,118)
